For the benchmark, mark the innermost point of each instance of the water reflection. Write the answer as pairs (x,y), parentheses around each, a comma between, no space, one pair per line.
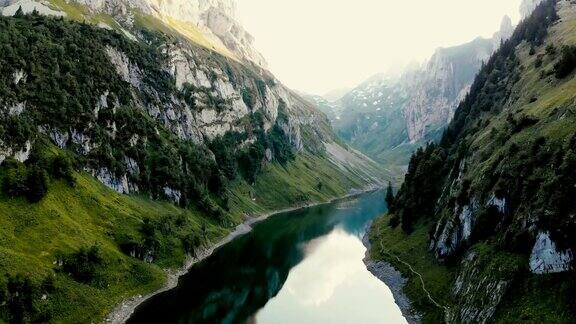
(303,266)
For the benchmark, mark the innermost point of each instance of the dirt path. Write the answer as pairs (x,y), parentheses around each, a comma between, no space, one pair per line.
(432,300)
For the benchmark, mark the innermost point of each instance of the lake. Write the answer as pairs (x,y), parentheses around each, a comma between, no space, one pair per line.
(303,266)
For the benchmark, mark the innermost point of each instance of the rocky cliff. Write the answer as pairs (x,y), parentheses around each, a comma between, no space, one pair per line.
(527,6)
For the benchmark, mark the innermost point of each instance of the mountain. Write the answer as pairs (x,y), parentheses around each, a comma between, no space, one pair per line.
(133,136)
(486,216)
(389,117)
(336,94)
(212,23)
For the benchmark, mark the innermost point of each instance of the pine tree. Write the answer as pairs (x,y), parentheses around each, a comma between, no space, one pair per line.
(390,197)
(19,12)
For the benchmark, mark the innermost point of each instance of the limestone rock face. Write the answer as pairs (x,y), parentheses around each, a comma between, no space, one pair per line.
(478,294)
(546,258)
(408,110)
(216,19)
(441,85)
(389,116)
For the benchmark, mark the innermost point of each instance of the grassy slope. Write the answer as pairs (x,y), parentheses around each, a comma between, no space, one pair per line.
(68,218)
(308,178)
(413,250)
(31,235)
(531,299)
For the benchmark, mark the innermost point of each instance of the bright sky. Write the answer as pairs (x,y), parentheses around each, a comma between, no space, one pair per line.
(320,45)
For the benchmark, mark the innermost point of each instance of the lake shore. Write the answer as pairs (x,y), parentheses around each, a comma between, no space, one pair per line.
(393,278)
(123,311)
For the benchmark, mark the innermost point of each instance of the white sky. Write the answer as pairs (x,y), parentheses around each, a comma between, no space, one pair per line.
(320,45)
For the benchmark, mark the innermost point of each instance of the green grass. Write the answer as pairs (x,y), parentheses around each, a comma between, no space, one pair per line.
(538,299)
(413,250)
(308,179)
(68,218)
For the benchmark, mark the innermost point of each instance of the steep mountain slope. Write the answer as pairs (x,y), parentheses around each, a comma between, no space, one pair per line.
(133,142)
(211,23)
(389,117)
(487,216)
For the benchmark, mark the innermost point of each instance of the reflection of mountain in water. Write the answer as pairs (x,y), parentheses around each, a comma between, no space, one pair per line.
(239,279)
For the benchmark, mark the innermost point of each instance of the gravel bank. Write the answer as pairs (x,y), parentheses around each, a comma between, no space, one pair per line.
(393,279)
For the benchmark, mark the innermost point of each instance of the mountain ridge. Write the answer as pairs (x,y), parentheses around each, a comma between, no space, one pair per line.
(487,213)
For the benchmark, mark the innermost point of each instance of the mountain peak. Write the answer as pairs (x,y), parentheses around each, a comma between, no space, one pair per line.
(506,30)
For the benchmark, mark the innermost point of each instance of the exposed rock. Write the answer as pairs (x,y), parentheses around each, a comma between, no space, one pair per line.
(499,203)
(82,141)
(477,294)
(505,32)
(59,137)
(546,258)
(451,233)
(132,166)
(269,155)
(23,154)
(129,73)
(388,114)
(102,103)
(173,195)
(441,86)
(215,19)
(104,175)
(17,109)
(19,75)
(28,6)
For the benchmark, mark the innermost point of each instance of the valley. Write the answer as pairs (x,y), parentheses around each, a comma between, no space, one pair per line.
(153,168)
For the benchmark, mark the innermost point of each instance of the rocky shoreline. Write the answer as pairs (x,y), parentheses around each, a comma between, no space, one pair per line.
(393,278)
(123,311)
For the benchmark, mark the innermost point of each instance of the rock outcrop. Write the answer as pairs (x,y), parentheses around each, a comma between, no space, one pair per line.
(546,258)
(216,19)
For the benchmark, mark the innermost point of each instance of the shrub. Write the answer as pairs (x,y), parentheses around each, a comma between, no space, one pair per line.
(15,178)
(36,184)
(567,62)
(248,98)
(84,265)
(18,296)
(62,168)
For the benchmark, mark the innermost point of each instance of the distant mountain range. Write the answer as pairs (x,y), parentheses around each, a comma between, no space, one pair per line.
(388,117)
